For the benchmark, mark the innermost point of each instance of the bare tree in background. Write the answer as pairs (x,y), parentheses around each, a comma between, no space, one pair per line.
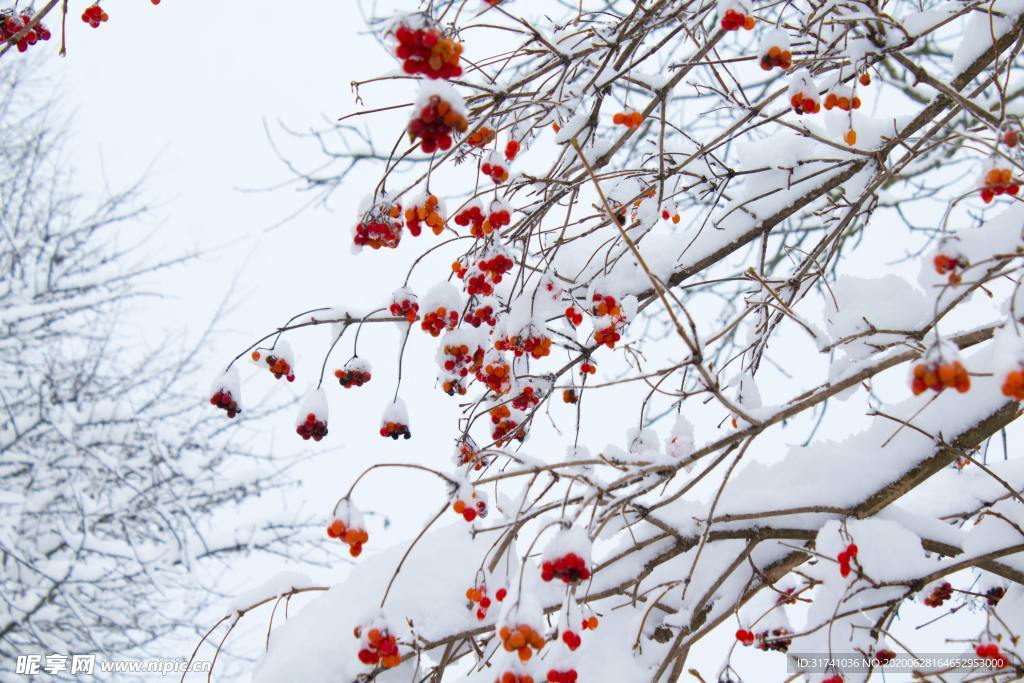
(116,483)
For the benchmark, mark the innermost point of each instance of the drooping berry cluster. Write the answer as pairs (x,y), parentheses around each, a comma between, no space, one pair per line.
(480,137)
(998,181)
(466,455)
(590,623)
(775,640)
(734,20)
(380,227)
(843,98)
(436,122)
(223,400)
(563,676)
(404,304)
(938,376)
(570,568)
(496,374)
(470,509)
(487,271)
(278,363)
(529,397)
(427,51)
(629,119)
(483,313)
(11,23)
(458,360)
(352,536)
(511,150)
(991,652)
(804,103)
(672,215)
(845,557)
(94,15)
(395,430)
(506,427)
(520,639)
(610,319)
(574,316)
(939,595)
(528,341)
(745,637)
(378,647)
(951,265)
(994,595)
(511,676)
(438,320)
(472,215)
(480,601)
(312,428)
(429,211)
(776,56)
(495,168)
(356,373)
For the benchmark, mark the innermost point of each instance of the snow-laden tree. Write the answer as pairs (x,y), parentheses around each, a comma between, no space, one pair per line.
(778,244)
(121,500)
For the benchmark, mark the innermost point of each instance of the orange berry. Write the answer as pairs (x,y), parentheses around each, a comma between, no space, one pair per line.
(850,137)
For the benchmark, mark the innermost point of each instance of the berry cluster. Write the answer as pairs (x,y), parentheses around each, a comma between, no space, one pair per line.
(352,536)
(804,103)
(482,314)
(495,168)
(395,430)
(378,647)
(777,56)
(991,652)
(845,557)
(435,124)
(404,305)
(994,595)
(938,376)
(429,212)
(222,399)
(842,99)
(570,396)
(529,397)
(426,51)
(486,272)
(950,265)
(312,428)
(998,181)
(511,150)
(496,374)
(472,215)
(470,509)
(381,226)
(564,676)
(939,595)
(506,427)
(536,345)
(570,568)
(480,137)
(775,640)
(745,637)
(509,676)
(630,119)
(478,599)
(520,639)
(466,454)
(11,24)
(590,623)
(609,309)
(734,20)
(356,373)
(574,316)
(278,365)
(670,215)
(458,361)
(440,319)
(94,15)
